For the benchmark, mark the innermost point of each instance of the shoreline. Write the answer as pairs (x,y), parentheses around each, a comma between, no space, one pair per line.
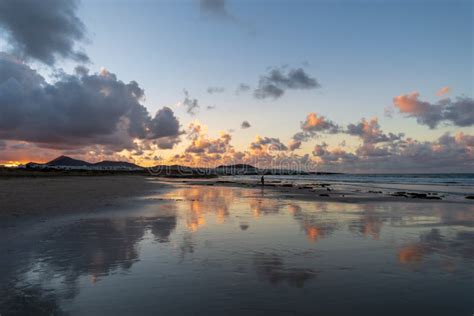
(327,192)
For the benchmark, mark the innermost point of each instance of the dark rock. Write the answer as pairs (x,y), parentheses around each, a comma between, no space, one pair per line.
(418,195)
(400,194)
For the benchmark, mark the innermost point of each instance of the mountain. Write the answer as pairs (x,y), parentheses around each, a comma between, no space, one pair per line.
(67,161)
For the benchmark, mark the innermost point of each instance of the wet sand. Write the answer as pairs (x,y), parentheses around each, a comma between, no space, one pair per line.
(185,248)
(66,195)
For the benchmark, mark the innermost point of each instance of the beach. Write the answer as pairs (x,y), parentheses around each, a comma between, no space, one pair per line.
(127,244)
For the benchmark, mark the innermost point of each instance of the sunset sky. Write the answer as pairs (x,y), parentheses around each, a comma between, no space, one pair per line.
(354,86)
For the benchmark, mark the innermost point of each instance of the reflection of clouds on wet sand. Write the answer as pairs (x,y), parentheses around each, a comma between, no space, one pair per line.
(163,226)
(228,234)
(451,248)
(369,223)
(272,268)
(428,215)
(29,301)
(261,207)
(94,247)
(456,216)
(314,224)
(203,201)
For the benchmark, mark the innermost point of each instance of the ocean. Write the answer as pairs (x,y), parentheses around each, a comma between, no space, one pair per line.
(457,184)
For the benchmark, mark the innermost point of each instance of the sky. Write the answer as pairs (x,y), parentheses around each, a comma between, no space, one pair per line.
(353,86)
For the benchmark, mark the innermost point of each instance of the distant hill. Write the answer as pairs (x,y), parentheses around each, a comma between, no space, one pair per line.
(67,161)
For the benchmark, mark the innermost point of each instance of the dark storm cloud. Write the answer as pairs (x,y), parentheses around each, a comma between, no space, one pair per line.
(459,112)
(277,81)
(164,124)
(245,124)
(43,30)
(212,90)
(76,110)
(192,105)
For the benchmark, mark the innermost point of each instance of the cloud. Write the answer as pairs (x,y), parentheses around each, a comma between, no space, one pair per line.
(454,153)
(245,124)
(202,144)
(242,88)
(315,123)
(43,30)
(268,144)
(277,81)
(192,105)
(337,155)
(167,142)
(459,112)
(164,124)
(370,132)
(443,91)
(295,144)
(216,9)
(449,153)
(311,127)
(212,90)
(76,110)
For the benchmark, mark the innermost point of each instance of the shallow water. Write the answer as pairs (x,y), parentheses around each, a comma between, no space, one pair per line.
(222,250)
(453,185)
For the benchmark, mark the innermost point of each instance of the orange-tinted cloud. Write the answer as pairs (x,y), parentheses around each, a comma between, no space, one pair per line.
(443,91)
(409,103)
(459,112)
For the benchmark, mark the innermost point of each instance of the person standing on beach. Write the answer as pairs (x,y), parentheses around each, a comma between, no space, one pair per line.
(262,180)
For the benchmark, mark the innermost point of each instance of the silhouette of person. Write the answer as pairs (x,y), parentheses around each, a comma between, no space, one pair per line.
(262,180)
